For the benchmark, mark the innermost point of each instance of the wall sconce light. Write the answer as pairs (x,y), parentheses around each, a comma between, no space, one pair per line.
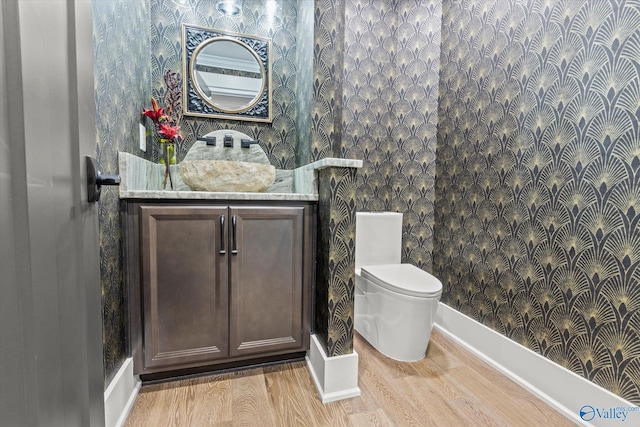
(230,7)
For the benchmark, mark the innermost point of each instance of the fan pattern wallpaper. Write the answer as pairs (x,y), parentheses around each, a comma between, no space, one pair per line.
(390,112)
(122,85)
(538,178)
(333,321)
(328,63)
(304,82)
(375,98)
(279,138)
(335,261)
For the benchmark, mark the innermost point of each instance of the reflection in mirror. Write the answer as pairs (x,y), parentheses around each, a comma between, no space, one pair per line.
(227,75)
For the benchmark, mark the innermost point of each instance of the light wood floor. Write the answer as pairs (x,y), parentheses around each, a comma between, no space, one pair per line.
(450,387)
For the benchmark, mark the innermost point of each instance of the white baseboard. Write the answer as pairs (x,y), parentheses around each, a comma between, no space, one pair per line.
(120,395)
(560,388)
(336,378)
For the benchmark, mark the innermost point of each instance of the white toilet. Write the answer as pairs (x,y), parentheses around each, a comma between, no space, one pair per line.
(395,304)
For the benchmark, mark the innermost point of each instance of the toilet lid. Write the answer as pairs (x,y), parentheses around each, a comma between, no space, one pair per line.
(406,279)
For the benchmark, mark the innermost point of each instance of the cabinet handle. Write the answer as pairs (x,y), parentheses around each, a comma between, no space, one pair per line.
(234,248)
(222,251)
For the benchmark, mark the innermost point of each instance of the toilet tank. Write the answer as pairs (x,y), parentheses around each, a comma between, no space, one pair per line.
(378,238)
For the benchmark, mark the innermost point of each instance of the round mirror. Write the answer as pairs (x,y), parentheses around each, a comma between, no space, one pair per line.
(227,74)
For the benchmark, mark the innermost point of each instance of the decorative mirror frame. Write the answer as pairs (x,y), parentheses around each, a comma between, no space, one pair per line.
(195,104)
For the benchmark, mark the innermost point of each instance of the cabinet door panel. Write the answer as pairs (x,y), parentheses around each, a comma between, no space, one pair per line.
(266,280)
(185,285)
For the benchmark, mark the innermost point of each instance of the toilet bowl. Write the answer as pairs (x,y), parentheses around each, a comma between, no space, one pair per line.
(395,303)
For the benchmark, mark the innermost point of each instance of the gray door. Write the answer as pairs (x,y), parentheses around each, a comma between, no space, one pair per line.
(50,321)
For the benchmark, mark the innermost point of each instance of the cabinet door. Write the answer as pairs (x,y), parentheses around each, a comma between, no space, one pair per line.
(266,280)
(185,285)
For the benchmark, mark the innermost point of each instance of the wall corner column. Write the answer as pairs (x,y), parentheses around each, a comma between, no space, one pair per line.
(331,359)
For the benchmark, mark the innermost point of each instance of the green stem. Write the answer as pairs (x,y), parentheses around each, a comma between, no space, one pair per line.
(167,163)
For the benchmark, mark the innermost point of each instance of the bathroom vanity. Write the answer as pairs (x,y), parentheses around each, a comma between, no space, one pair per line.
(222,280)
(218,284)
(216,280)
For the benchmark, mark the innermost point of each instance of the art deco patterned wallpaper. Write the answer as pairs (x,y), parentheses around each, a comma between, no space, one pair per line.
(304,81)
(390,97)
(278,139)
(328,48)
(375,98)
(538,178)
(335,261)
(332,325)
(122,85)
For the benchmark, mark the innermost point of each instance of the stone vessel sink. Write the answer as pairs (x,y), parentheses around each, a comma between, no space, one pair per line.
(227,176)
(223,168)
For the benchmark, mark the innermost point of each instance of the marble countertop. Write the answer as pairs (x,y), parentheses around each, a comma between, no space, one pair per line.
(333,162)
(141,179)
(207,195)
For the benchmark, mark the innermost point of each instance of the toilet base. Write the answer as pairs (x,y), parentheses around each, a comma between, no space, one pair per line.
(399,354)
(398,326)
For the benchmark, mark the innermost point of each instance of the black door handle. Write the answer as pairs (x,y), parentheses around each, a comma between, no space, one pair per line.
(95,180)
(108,179)
(222,250)
(234,247)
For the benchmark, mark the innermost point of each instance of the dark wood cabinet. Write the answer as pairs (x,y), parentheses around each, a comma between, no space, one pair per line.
(184,285)
(218,284)
(266,279)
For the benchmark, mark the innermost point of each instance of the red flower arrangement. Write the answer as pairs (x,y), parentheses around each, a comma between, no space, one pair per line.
(165,123)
